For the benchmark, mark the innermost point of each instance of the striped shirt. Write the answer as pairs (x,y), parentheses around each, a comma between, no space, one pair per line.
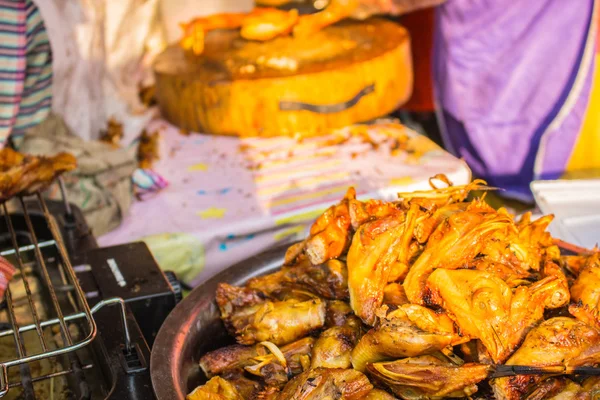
(25,68)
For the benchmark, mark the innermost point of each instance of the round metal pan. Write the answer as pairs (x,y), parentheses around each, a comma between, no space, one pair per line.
(194,327)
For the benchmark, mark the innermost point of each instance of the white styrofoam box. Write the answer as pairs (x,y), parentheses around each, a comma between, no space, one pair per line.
(576,207)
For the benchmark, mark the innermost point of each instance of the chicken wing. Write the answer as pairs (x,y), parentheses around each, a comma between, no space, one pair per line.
(484,307)
(25,174)
(337,10)
(333,348)
(585,293)
(379,254)
(327,383)
(251,319)
(558,341)
(428,377)
(453,244)
(330,235)
(260,24)
(328,280)
(396,337)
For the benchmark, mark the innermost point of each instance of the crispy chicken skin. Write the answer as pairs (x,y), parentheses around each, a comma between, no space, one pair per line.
(429,377)
(25,174)
(485,308)
(328,280)
(327,383)
(396,337)
(453,244)
(585,293)
(555,342)
(215,389)
(253,319)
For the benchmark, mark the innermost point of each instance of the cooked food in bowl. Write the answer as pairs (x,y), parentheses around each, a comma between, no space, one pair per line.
(428,297)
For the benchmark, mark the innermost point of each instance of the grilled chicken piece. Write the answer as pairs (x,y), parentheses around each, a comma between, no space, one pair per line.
(26,174)
(330,235)
(585,293)
(252,319)
(215,389)
(378,394)
(247,388)
(338,313)
(453,244)
(328,280)
(558,341)
(364,211)
(333,348)
(327,383)
(277,367)
(428,377)
(378,255)
(259,24)
(393,294)
(269,25)
(397,337)
(255,358)
(227,358)
(484,307)
(337,10)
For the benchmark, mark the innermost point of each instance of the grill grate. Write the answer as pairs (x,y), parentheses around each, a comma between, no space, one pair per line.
(59,282)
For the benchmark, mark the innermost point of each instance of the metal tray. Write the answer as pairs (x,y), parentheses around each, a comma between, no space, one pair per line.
(194,327)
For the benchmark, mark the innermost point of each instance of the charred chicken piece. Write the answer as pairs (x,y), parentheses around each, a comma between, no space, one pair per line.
(215,389)
(278,366)
(328,280)
(558,341)
(252,320)
(365,211)
(227,358)
(26,174)
(428,377)
(454,243)
(585,293)
(339,313)
(396,337)
(327,383)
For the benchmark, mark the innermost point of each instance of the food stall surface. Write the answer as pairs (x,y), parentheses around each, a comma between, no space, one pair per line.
(231,198)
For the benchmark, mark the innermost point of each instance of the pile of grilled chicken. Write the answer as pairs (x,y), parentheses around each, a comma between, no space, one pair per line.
(423,298)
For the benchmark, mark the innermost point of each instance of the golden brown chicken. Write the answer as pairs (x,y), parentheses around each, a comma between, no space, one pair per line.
(260,24)
(334,346)
(453,244)
(380,253)
(328,280)
(26,174)
(585,293)
(378,394)
(252,320)
(558,341)
(215,389)
(485,307)
(396,337)
(337,10)
(327,383)
(329,237)
(429,377)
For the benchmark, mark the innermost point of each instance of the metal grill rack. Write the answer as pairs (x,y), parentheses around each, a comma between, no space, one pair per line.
(50,262)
